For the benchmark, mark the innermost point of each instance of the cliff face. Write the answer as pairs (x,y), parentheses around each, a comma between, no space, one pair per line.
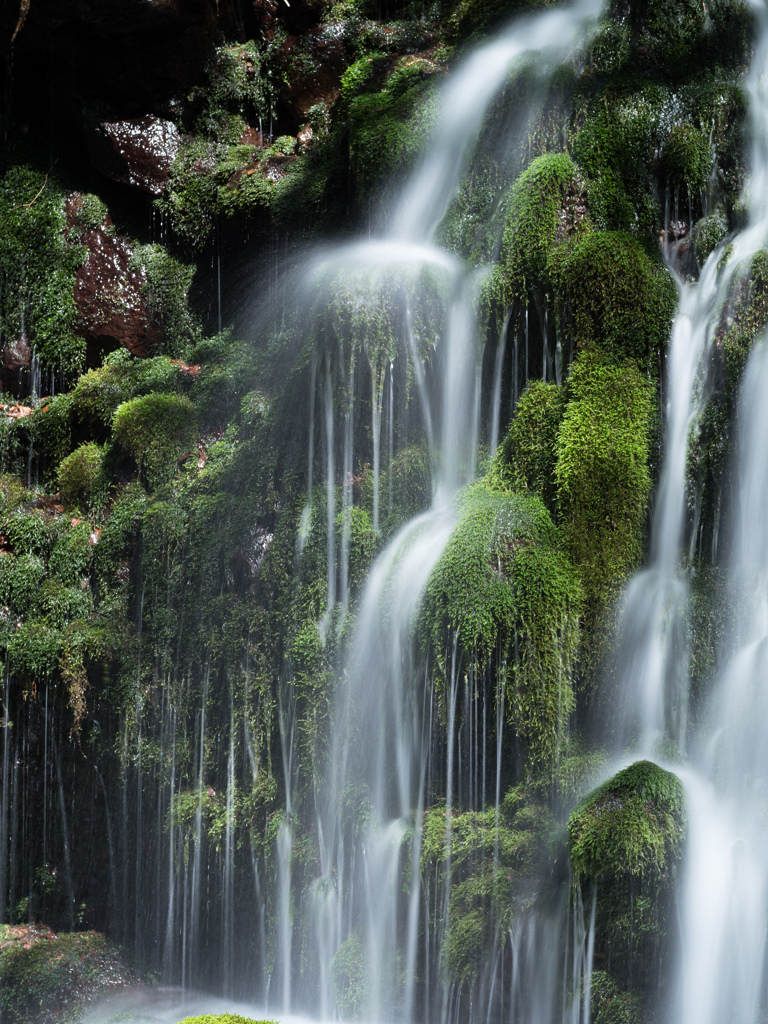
(220,408)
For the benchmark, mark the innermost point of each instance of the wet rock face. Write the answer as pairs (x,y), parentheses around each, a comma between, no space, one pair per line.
(136,151)
(314,64)
(16,354)
(111,309)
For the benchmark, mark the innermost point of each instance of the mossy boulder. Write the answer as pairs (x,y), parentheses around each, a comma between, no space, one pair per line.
(536,219)
(610,293)
(52,979)
(80,474)
(602,476)
(504,584)
(527,456)
(156,430)
(626,842)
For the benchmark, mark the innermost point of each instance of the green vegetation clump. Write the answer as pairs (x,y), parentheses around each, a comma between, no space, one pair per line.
(634,824)
(156,430)
(686,158)
(626,842)
(610,294)
(488,861)
(708,233)
(37,270)
(80,473)
(165,291)
(612,1006)
(350,978)
(603,482)
(535,220)
(527,456)
(505,584)
(224,1018)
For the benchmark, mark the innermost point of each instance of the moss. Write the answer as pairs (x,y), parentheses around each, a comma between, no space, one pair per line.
(504,583)
(610,294)
(156,430)
(535,220)
(488,862)
(527,456)
(407,484)
(37,269)
(633,824)
(350,978)
(224,1018)
(612,1006)
(626,842)
(708,233)
(52,979)
(80,474)
(471,17)
(603,483)
(686,158)
(165,291)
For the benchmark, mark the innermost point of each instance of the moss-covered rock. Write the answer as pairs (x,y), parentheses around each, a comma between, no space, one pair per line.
(610,294)
(536,219)
(224,1018)
(504,584)
(527,456)
(52,979)
(80,473)
(626,839)
(603,482)
(156,430)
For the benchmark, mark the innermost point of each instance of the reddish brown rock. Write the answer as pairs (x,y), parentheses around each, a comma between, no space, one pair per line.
(137,151)
(17,354)
(314,65)
(111,309)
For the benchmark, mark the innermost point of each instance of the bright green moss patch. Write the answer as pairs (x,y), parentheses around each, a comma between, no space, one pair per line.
(708,233)
(633,824)
(686,157)
(224,1018)
(80,474)
(603,483)
(536,220)
(505,584)
(526,457)
(156,430)
(610,294)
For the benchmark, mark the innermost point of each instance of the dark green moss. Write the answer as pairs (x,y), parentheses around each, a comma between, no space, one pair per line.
(535,221)
(610,294)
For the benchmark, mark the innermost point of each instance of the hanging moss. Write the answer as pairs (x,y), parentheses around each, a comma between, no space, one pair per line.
(37,270)
(165,291)
(504,583)
(488,863)
(536,219)
(610,294)
(603,483)
(526,457)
